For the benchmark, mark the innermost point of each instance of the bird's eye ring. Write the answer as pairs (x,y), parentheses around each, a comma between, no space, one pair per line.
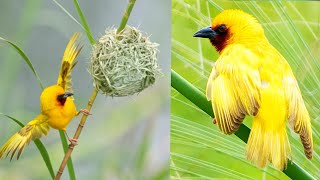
(222,28)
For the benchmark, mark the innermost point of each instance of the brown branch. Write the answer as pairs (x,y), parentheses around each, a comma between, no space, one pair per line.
(77,134)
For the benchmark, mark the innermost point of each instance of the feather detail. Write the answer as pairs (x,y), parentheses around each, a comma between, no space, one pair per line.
(234,88)
(68,63)
(299,119)
(213,75)
(267,145)
(33,130)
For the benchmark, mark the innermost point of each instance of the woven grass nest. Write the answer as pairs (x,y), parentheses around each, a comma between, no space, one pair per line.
(123,64)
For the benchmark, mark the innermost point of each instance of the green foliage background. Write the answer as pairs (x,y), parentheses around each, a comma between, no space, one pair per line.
(125,138)
(198,148)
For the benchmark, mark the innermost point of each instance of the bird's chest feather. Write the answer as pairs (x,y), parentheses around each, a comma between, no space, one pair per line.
(60,116)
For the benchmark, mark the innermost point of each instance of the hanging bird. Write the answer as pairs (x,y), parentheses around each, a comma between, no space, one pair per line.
(56,104)
(251,78)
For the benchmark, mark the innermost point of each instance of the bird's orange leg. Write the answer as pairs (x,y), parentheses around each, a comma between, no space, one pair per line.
(84,111)
(74,142)
(214,121)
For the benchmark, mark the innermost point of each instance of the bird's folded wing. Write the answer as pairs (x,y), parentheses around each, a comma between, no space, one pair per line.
(299,119)
(234,88)
(68,62)
(33,130)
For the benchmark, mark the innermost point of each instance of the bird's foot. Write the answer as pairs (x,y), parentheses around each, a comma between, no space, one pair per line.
(214,121)
(73,141)
(85,112)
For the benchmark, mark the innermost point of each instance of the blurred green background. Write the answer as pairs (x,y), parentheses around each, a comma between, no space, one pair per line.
(198,148)
(125,138)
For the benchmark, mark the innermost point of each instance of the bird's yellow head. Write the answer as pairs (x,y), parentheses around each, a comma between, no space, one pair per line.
(230,27)
(53,97)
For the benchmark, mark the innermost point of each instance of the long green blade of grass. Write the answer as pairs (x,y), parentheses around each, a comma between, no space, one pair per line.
(84,22)
(45,156)
(25,58)
(64,10)
(40,146)
(65,147)
(198,98)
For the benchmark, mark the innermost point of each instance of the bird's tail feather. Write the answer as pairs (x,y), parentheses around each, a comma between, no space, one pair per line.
(14,144)
(33,130)
(268,145)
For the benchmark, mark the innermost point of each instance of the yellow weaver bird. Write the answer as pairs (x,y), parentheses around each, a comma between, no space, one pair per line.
(57,107)
(252,78)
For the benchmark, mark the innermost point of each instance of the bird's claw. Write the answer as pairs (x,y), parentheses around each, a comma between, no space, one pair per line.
(214,121)
(85,111)
(74,142)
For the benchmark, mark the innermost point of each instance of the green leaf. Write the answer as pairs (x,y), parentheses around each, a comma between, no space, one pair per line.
(45,156)
(64,10)
(26,59)
(43,151)
(84,22)
(65,147)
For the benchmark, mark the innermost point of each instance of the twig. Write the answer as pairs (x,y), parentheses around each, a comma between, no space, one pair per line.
(76,135)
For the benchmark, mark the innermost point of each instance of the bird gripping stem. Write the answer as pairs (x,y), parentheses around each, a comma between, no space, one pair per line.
(77,134)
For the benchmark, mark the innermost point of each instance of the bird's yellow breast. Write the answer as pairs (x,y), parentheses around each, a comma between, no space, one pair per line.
(59,113)
(60,117)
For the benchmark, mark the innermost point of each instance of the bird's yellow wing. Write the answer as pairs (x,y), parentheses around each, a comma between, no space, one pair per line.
(68,62)
(299,119)
(234,87)
(33,130)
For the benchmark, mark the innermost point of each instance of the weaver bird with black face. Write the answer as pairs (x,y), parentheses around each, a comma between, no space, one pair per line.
(56,104)
(251,78)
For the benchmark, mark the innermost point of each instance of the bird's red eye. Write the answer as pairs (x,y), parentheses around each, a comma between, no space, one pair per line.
(222,28)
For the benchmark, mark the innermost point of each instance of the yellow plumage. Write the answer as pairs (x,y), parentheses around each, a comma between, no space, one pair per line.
(70,54)
(57,107)
(252,78)
(33,130)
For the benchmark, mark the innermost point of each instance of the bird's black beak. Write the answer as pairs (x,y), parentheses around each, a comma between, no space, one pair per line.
(207,32)
(65,95)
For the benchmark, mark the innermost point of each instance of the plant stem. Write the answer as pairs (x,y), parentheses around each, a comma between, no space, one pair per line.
(84,22)
(94,94)
(76,135)
(198,98)
(126,16)
(65,146)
